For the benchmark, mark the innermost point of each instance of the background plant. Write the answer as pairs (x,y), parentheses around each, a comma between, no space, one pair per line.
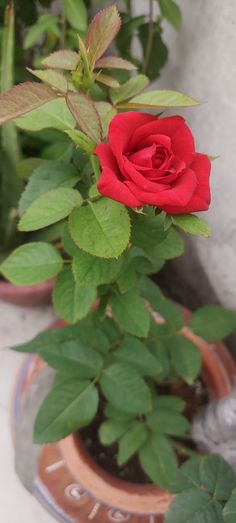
(104,255)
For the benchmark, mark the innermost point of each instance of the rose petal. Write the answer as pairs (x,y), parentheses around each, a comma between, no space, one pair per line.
(109,183)
(122,127)
(144,184)
(182,142)
(177,194)
(143,157)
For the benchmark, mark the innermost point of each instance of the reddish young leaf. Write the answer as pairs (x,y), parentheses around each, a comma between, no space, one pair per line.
(107,80)
(64,59)
(54,78)
(23,98)
(102,30)
(114,62)
(85,114)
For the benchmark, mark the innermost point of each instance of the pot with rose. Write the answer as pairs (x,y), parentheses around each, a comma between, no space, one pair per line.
(124,371)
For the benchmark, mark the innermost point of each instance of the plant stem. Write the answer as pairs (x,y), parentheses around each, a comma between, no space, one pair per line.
(129,8)
(95,165)
(150,38)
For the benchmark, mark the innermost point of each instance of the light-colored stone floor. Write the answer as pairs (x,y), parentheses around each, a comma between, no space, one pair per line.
(17,324)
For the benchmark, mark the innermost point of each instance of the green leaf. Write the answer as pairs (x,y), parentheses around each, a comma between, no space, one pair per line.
(103,29)
(71,301)
(111,431)
(160,98)
(49,208)
(81,140)
(135,353)
(85,114)
(68,244)
(194,506)
(171,11)
(172,246)
(131,442)
(46,177)
(166,421)
(218,477)
(54,78)
(188,476)
(143,263)
(116,414)
(73,357)
(76,14)
(166,308)
(159,52)
(131,313)
(213,322)
(22,99)
(63,59)
(107,80)
(129,88)
(128,277)
(147,231)
(90,270)
(170,403)
(32,263)
(192,224)
(54,114)
(45,23)
(158,460)
(186,358)
(101,228)
(229,512)
(69,406)
(125,389)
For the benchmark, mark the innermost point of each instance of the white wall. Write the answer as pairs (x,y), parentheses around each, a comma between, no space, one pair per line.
(202,64)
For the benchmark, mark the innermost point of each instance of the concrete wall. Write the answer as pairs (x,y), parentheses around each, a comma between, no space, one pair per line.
(202,63)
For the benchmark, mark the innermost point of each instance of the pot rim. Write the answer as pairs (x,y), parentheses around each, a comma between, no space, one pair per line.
(137,498)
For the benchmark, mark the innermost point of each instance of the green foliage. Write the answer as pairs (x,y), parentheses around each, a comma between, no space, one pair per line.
(71,301)
(49,207)
(54,114)
(45,23)
(69,406)
(129,88)
(32,263)
(160,98)
(90,270)
(171,11)
(76,14)
(46,177)
(131,313)
(158,460)
(213,322)
(206,492)
(192,224)
(124,388)
(130,442)
(158,55)
(101,228)
(135,353)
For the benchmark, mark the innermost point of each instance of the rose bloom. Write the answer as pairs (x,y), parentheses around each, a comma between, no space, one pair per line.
(152,161)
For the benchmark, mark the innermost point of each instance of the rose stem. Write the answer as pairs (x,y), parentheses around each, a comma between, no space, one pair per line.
(149,39)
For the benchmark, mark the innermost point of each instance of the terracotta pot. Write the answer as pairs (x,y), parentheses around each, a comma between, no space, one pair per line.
(75,489)
(29,296)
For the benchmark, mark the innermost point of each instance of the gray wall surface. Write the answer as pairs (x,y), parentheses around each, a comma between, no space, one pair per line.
(202,63)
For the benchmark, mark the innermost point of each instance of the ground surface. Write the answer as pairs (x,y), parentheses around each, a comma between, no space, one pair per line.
(17,324)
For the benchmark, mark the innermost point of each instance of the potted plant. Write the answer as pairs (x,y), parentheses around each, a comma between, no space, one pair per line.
(130,366)
(11,182)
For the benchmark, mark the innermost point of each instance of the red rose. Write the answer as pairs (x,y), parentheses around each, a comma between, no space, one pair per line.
(152,161)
